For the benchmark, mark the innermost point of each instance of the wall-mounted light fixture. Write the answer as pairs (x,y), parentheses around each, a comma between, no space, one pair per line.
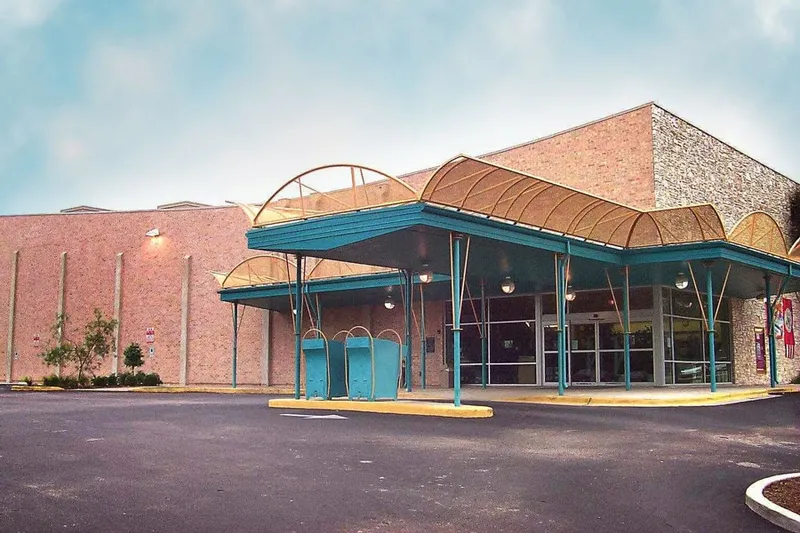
(681,281)
(153,233)
(507,285)
(388,303)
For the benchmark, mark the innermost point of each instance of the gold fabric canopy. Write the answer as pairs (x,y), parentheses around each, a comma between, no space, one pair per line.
(487,189)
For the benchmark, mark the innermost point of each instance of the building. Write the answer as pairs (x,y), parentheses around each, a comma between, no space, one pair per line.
(641,160)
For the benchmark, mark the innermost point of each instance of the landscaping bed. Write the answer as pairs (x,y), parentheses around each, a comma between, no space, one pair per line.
(785,493)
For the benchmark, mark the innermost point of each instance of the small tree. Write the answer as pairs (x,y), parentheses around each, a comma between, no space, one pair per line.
(133,356)
(98,340)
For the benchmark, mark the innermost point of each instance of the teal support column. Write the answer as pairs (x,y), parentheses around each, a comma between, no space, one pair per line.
(235,342)
(484,338)
(712,357)
(298,322)
(626,319)
(423,345)
(561,305)
(773,359)
(456,290)
(407,276)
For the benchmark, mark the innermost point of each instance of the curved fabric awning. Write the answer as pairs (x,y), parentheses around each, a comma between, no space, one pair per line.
(329,268)
(760,231)
(474,185)
(258,270)
(333,189)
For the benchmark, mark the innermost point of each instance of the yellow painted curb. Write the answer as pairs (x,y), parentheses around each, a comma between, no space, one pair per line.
(35,388)
(215,390)
(387,407)
(705,400)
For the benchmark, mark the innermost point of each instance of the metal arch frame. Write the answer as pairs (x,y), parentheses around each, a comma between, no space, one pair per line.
(750,243)
(352,166)
(274,256)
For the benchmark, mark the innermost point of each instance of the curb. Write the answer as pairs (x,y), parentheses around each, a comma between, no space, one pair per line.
(755,500)
(35,388)
(394,407)
(215,390)
(707,400)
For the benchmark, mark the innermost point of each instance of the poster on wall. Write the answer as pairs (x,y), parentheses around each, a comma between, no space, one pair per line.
(761,356)
(788,328)
(777,319)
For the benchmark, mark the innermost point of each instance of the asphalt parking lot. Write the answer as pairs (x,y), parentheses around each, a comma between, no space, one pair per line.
(88,461)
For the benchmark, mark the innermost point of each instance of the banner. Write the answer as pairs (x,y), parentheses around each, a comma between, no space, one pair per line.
(761,356)
(777,319)
(788,328)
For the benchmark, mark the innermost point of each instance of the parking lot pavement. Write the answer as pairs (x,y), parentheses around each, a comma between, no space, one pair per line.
(204,462)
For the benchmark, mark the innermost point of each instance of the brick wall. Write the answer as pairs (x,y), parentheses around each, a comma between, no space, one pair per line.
(152,275)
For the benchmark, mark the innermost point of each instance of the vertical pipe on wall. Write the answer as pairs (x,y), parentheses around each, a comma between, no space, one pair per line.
(298,321)
(408,278)
(117,308)
(184,354)
(712,357)
(62,280)
(266,327)
(773,371)
(484,339)
(626,319)
(423,348)
(12,311)
(456,294)
(235,343)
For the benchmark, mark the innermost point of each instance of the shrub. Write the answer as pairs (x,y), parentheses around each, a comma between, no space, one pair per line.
(111,380)
(100,381)
(126,379)
(140,377)
(133,356)
(69,382)
(151,380)
(28,380)
(51,381)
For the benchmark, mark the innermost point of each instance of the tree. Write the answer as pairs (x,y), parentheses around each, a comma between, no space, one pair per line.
(133,356)
(98,341)
(794,215)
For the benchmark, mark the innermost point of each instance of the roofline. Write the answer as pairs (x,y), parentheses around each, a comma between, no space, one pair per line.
(112,212)
(544,138)
(729,145)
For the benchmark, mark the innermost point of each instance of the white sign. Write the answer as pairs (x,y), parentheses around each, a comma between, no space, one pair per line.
(150,335)
(152,351)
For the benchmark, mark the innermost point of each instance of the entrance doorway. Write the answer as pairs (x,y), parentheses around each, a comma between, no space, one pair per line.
(595,352)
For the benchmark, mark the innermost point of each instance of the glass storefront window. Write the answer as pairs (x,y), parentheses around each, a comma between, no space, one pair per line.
(470,345)
(513,374)
(684,303)
(513,342)
(688,340)
(612,367)
(470,312)
(514,308)
(612,338)
(722,345)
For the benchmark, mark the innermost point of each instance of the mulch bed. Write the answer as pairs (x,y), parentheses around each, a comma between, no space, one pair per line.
(785,493)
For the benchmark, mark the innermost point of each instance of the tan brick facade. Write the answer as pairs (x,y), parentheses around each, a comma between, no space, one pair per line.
(645,157)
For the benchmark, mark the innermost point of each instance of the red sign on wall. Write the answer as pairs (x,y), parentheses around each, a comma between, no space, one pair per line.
(150,335)
(788,327)
(761,356)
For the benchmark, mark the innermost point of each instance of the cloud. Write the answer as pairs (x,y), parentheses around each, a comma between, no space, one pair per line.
(231,100)
(778,19)
(26,13)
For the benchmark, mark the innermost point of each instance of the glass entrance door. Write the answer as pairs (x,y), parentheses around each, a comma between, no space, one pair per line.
(581,353)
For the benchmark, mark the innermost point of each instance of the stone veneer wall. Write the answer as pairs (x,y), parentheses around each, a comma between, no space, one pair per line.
(691,167)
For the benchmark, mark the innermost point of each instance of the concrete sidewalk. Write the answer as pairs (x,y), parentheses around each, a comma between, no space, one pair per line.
(607,396)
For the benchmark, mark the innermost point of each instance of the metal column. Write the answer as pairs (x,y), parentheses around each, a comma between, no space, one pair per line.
(626,319)
(298,320)
(712,356)
(407,276)
(456,294)
(484,338)
(561,307)
(235,342)
(423,345)
(773,359)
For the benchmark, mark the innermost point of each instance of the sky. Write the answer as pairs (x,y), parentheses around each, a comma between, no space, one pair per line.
(128,105)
